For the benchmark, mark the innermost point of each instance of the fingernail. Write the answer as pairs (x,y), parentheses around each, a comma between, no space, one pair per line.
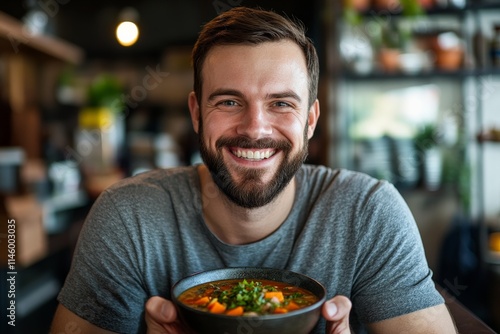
(164,311)
(331,309)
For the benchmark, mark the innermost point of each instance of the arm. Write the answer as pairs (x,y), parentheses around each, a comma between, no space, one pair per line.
(104,286)
(66,321)
(432,320)
(393,280)
(161,318)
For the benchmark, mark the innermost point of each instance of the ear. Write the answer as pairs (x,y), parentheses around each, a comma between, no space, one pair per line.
(312,118)
(194,110)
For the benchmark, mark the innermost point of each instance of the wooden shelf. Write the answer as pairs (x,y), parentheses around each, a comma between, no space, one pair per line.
(490,136)
(32,64)
(436,11)
(458,74)
(14,38)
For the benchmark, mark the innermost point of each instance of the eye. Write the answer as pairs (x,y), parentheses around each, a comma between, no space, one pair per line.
(227,103)
(282,104)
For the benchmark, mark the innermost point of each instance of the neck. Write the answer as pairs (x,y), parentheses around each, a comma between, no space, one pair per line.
(234,224)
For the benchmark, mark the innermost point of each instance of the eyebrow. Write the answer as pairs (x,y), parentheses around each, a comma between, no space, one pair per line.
(285,94)
(224,91)
(233,92)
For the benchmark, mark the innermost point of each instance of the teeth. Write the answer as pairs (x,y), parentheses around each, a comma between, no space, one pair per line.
(254,155)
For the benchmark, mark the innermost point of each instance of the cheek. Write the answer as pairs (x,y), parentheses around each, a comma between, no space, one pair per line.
(213,129)
(294,131)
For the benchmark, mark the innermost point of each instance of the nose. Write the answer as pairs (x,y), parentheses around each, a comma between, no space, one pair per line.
(255,122)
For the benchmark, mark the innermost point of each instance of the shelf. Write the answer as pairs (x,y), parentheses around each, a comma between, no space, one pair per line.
(436,11)
(373,12)
(15,38)
(489,136)
(459,74)
(483,5)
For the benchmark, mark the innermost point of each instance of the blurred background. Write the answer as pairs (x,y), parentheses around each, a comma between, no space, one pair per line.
(409,91)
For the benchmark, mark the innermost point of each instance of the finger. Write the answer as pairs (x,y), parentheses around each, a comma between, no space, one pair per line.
(160,316)
(336,312)
(161,309)
(337,308)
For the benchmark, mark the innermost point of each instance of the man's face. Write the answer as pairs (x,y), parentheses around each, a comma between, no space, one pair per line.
(253,120)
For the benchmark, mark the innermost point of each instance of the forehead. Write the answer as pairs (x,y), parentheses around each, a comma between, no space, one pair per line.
(264,63)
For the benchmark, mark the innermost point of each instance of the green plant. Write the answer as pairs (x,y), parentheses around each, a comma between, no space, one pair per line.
(351,15)
(391,36)
(411,8)
(390,32)
(105,91)
(428,137)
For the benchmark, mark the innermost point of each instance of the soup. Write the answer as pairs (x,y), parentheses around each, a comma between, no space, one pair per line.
(247,297)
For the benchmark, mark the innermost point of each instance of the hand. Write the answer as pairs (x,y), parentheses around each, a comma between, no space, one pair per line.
(336,312)
(161,317)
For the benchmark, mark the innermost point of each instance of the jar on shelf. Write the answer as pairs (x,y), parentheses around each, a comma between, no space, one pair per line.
(495,47)
(449,51)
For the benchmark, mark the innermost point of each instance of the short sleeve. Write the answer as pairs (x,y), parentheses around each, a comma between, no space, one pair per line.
(392,275)
(104,284)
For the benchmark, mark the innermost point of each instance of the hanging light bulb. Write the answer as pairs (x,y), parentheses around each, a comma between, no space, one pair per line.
(127,31)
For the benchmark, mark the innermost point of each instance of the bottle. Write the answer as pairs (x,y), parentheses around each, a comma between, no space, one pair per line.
(495,47)
(480,49)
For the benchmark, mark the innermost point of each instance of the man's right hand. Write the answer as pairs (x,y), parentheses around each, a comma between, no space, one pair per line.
(161,317)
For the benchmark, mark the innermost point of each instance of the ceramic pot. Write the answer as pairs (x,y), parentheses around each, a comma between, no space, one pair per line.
(449,59)
(358,5)
(389,59)
(393,6)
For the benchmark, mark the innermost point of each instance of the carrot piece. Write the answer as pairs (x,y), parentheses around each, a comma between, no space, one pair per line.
(277,294)
(238,310)
(279,310)
(212,302)
(202,301)
(292,306)
(217,308)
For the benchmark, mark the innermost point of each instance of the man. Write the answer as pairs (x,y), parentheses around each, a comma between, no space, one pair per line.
(252,203)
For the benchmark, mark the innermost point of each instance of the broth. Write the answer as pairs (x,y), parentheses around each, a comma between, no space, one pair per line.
(247,297)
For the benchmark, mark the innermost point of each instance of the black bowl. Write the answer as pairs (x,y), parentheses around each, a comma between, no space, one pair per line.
(297,322)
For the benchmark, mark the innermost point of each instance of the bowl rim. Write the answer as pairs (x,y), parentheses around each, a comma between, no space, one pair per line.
(321,299)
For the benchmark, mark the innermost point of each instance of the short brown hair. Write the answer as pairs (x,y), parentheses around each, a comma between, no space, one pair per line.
(243,25)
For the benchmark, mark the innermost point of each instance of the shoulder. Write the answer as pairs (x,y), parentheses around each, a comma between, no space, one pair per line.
(353,196)
(158,181)
(154,193)
(341,180)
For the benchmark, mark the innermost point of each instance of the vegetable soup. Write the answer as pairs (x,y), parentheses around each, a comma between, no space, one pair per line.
(247,297)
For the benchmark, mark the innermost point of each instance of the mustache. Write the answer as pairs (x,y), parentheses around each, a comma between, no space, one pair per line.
(244,142)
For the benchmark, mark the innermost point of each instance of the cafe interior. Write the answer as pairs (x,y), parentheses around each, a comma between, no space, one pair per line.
(92,92)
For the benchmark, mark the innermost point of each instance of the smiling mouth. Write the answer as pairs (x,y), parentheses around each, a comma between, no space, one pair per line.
(253,155)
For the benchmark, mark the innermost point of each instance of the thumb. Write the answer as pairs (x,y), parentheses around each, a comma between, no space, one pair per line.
(159,313)
(336,312)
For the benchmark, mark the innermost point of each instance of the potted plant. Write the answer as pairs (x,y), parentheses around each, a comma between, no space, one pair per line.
(427,142)
(101,129)
(389,50)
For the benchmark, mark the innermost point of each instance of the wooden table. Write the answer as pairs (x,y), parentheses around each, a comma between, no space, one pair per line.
(465,321)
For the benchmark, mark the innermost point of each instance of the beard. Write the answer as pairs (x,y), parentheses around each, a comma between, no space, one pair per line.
(250,192)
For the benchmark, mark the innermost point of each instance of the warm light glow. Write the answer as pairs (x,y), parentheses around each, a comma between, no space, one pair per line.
(127,33)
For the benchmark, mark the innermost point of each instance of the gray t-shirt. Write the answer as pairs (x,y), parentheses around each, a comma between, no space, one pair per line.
(352,233)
